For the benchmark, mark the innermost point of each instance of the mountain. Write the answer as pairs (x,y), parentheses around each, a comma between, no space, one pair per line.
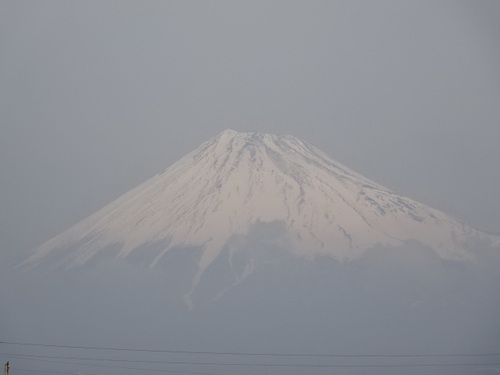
(251,191)
(264,244)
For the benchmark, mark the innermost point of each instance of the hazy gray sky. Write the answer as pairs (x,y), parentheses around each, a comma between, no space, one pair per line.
(98,96)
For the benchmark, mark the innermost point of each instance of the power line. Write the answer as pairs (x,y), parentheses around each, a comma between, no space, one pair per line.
(119,367)
(191,363)
(38,370)
(270,354)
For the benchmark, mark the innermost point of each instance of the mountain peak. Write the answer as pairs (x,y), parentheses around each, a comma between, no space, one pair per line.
(247,138)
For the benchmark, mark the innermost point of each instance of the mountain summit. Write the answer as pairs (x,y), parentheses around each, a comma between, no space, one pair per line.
(279,190)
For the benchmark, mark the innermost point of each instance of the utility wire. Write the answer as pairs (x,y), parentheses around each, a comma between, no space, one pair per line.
(190,363)
(38,370)
(120,367)
(368,355)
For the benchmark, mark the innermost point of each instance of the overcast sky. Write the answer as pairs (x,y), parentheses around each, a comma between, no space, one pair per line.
(98,96)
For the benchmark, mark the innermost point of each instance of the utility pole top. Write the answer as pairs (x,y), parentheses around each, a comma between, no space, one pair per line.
(6,368)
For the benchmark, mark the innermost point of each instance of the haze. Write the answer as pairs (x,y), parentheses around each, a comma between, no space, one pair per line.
(98,96)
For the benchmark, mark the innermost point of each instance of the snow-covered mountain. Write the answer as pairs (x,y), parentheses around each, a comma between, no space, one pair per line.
(215,196)
(260,243)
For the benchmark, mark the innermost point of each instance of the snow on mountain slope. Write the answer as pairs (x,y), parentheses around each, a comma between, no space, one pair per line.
(235,181)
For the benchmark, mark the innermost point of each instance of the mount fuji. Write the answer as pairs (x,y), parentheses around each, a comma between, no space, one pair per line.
(241,192)
(234,182)
(257,243)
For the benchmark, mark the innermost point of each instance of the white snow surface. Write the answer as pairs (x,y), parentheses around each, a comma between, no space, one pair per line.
(236,180)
